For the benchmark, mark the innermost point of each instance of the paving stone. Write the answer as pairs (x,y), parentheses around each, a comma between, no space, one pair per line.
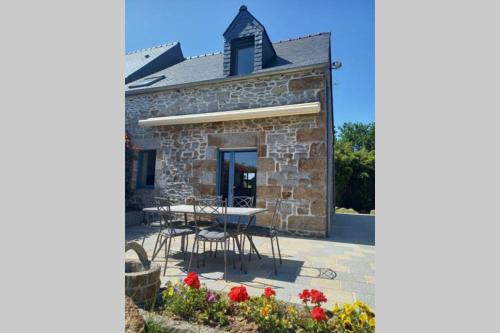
(369,299)
(321,284)
(304,262)
(370,279)
(356,286)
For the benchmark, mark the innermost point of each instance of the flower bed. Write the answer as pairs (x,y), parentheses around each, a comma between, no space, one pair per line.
(188,300)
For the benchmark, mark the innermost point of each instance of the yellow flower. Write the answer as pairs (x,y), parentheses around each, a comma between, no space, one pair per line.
(359,304)
(342,316)
(372,323)
(347,324)
(363,318)
(336,308)
(170,291)
(348,309)
(264,311)
(291,309)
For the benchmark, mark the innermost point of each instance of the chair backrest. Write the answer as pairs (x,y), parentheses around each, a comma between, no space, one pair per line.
(210,207)
(276,214)
(243,201)
(166,216)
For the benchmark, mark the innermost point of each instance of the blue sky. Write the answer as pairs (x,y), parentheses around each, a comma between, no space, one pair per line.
(199,25)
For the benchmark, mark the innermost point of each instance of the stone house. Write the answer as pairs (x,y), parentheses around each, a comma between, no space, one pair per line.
(255,119)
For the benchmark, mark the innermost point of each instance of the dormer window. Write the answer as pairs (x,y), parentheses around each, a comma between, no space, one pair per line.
(247,48)
(242,55)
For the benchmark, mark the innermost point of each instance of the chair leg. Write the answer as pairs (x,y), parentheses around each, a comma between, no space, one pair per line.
(243,237)
(242,244)
(198,253)
(234,254)
(203,260)
(186,246)
(225,260)
(210,253)
(279,252)
(251,249)
(156,245)
(167,252)
(274,258)
(216,248)
(191,256)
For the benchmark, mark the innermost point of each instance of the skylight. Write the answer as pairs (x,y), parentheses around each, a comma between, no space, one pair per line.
(147,81)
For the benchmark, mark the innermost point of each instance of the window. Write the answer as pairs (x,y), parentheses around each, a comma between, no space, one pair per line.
(147,81)
(242,56)
(249,180)
(146,169)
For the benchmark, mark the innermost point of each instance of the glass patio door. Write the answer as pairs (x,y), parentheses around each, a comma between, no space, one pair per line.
(238,174)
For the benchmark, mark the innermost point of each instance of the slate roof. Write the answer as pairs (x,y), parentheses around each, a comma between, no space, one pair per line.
(293,53)
(137,59)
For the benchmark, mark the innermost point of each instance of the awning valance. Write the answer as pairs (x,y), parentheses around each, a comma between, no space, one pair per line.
(267,112)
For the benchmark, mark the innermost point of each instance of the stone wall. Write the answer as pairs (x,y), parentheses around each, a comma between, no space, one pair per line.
(291,150)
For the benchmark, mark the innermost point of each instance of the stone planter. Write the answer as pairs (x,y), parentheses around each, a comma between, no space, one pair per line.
(142,278)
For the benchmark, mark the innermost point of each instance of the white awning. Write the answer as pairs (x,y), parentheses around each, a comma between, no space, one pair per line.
(267,112)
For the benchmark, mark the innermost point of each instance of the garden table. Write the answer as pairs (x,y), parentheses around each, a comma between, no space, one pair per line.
(240,212)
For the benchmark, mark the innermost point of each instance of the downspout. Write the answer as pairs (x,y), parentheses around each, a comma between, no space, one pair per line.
(330,147)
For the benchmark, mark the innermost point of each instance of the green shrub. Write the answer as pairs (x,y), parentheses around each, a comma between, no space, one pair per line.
(345,211)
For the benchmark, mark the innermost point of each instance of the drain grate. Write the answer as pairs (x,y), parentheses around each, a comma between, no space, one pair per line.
(327,273)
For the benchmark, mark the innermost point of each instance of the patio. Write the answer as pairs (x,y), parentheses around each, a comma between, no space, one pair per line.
(345,272)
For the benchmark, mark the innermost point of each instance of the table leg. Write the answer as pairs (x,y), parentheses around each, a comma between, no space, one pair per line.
(254,247)
(239,249)
(182,238)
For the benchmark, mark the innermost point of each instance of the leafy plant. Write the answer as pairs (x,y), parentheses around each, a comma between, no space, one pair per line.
(152,325)
(191,301)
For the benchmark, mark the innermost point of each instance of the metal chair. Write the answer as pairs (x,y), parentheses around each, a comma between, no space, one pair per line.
(271,232)
(216,234)
(169,229)
(153,221)
(205,221)
(238,229)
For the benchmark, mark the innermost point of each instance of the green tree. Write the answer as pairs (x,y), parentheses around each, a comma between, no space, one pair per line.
(360,135)
(355,166)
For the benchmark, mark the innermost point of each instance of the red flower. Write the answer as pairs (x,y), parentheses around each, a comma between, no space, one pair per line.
(305,295)
(268,292)
(192,280)
(317,296)
(238,294)
(318,314)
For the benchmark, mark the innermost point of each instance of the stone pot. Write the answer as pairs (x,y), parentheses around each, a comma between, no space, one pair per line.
(142,277)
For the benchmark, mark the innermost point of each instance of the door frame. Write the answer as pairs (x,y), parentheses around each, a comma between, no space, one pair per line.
(218,178)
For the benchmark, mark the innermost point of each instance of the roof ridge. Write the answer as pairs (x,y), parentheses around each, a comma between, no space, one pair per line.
(152,47)
(203,55)
(301,37)
(280,41)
